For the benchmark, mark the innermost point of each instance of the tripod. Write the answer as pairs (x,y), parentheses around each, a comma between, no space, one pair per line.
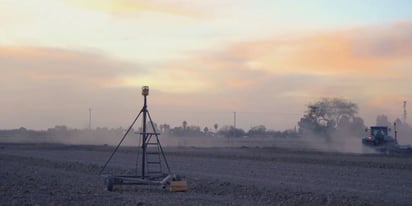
(152,154)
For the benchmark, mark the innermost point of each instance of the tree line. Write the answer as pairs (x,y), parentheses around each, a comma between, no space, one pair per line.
(326,118)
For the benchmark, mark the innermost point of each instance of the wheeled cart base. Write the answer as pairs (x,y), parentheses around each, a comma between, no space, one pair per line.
(175,182)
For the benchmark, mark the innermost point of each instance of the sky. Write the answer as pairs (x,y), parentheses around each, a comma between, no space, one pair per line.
(203,60)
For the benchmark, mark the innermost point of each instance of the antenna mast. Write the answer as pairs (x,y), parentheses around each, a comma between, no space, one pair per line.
(404,112)
(90,118)
(153,157)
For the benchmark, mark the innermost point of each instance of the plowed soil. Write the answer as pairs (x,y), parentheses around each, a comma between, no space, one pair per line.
(55,174)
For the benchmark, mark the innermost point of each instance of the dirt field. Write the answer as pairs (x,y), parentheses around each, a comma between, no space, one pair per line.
(54,174)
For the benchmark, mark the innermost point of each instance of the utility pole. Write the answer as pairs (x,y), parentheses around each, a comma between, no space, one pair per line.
(404,112)
(90,118)
(234,120)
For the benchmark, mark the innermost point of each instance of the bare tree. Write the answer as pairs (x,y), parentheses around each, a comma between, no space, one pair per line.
(327,115)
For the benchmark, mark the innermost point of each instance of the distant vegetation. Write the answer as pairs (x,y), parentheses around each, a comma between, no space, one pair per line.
(403,128)
(331,117)
(224,131)
(60,131)
(337,118)
(326,118)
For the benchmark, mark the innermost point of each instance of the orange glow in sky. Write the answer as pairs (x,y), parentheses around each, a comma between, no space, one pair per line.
(203,60)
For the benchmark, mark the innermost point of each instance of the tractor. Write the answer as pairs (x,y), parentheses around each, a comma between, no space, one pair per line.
(378,136)
(379,140)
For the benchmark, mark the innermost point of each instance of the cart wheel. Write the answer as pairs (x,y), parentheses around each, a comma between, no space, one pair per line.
(109,183)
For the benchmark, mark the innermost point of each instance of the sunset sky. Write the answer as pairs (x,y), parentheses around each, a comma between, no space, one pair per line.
(203,60)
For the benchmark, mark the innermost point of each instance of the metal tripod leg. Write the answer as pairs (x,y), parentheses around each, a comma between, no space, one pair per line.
(117,147)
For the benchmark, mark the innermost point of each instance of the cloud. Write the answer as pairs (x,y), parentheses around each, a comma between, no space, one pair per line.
(355,51)
(301,68)
(42,87)
(392,41)
(281,74)
(369,51)
(328,55)
(59,65)
(136,6)
(286,73)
